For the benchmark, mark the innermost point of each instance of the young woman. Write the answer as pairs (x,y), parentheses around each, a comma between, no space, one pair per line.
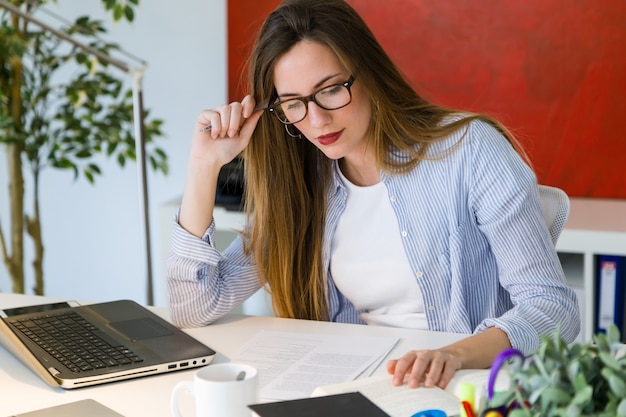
(367,204)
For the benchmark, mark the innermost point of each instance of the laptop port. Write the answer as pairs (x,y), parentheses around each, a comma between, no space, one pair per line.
(173,366)
(184,364)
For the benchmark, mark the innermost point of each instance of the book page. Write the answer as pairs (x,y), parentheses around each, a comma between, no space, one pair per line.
(404,401)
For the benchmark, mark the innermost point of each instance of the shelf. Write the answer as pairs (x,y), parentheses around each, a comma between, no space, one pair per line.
(573,267)
(594,227)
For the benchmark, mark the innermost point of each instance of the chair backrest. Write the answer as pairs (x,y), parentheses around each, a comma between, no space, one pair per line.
(555,206)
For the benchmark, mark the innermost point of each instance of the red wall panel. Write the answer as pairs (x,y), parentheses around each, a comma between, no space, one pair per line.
(554,71)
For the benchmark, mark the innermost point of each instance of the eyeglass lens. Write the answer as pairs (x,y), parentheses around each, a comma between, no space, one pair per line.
(330,98)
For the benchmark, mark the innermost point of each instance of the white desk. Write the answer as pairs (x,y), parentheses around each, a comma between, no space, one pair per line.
(21,390)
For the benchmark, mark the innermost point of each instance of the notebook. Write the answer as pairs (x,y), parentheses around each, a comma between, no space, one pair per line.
(71,345)
(350,404)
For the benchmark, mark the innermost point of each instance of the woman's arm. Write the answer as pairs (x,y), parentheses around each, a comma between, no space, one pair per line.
(203,284)
(231,128)
(503,200)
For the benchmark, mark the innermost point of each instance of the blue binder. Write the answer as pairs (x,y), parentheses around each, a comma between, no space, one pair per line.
(611,293)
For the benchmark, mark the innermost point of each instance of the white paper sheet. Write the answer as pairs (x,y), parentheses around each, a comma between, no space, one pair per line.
(291,365)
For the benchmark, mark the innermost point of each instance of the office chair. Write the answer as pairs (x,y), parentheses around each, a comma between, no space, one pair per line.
(555,206)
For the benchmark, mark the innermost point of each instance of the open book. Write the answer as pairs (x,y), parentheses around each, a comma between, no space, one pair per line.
(404,401)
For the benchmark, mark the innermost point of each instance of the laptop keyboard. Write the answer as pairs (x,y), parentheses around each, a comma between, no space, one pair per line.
(75,342)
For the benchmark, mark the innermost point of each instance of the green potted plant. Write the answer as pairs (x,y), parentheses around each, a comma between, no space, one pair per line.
(581,379)
(61,107)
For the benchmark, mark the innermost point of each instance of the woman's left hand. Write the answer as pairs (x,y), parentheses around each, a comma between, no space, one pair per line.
(430,367)
(437,367)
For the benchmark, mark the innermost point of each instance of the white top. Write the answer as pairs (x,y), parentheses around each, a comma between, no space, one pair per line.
(369,264)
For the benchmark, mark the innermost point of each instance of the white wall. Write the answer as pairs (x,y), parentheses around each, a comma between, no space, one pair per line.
(93,235)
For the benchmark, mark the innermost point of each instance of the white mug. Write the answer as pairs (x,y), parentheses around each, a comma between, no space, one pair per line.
(220,390)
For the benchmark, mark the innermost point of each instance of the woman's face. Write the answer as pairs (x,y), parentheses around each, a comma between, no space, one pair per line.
(308,67)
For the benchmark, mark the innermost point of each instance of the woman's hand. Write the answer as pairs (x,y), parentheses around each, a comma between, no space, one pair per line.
(437,367)
(428,367)
(231,128)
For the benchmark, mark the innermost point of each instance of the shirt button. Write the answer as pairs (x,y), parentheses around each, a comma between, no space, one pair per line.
(419,274)
(431,308)
(393,198)
(405,233)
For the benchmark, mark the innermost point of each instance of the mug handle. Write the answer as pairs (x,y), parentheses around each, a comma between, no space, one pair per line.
(183,385)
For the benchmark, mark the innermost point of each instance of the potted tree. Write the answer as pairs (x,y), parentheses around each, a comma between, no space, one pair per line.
(581,379)
(60,108)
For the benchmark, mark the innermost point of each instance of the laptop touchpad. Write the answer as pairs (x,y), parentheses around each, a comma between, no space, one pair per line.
(139,329)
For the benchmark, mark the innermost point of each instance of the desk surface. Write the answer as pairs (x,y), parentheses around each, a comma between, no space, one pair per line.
(24,391)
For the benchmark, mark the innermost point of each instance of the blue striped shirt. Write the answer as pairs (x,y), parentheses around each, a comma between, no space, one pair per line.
(473,231)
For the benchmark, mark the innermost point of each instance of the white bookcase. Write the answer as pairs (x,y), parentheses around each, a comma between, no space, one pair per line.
(594,227)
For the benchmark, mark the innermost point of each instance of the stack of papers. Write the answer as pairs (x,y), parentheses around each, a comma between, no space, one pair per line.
(291,365)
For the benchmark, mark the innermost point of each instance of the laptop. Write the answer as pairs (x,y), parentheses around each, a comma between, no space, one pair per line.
(87,407)
(71,345)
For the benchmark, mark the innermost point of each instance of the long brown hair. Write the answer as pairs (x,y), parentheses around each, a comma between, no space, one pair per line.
(288,179)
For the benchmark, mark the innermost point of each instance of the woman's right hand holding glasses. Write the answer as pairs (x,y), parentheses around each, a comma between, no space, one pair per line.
(222,133)
(231,128)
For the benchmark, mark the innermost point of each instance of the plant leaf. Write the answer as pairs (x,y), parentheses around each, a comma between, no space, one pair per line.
(554,396)
(536,393)
(612,334)
(572,410)
(85,153)
(129,13)
(573,372)
(583,396)
(521,412)
(602,342)
(617,385)
(621,408)
(609,361)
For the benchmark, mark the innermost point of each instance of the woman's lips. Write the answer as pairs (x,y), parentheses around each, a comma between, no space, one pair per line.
(329,138)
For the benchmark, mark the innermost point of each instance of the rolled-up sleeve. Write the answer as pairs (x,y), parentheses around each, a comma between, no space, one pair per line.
(204,284)
(506,204)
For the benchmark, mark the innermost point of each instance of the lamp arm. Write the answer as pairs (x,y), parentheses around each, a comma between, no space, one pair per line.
(142,175)
(62,35)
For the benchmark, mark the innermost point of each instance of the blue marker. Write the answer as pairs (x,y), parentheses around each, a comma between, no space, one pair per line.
(430,413)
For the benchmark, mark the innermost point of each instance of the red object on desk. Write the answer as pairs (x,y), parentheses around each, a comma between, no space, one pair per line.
(469,411)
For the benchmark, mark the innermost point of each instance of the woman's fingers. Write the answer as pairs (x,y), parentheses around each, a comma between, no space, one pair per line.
(449,370)
(248,104)
(226,120)
(250,123)
(427,367)
(222,133)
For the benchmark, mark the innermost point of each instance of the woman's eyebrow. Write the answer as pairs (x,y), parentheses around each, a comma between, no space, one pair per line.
(315,87)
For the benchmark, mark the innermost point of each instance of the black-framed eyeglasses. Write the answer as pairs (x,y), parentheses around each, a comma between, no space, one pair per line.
(332,97)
